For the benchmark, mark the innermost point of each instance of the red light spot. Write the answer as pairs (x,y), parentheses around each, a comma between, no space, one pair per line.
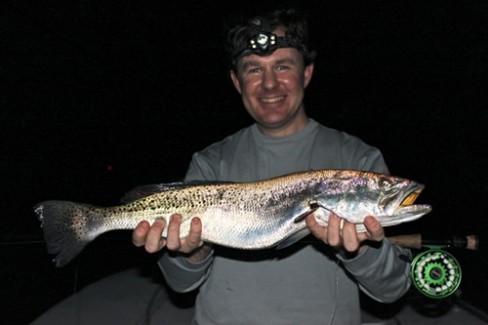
(110,168)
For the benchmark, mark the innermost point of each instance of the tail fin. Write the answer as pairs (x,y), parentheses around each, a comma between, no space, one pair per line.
(66,228)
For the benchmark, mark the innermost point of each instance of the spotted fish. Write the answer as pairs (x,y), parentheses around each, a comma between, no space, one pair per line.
(248,215)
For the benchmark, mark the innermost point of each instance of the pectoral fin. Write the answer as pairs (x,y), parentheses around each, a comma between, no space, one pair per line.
(301,212)
(305,211)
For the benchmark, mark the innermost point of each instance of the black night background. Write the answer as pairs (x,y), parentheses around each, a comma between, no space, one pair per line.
(98,97)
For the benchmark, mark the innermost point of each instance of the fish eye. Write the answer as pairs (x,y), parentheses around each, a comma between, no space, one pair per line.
(384,183)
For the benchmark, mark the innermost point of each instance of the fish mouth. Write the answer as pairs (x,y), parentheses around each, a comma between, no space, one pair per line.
(402,199)
(410,198)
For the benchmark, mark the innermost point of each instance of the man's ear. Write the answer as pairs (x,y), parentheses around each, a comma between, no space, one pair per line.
(308,74)
(235,81)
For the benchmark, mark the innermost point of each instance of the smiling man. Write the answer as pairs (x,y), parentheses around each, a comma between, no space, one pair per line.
(272,89)
(313,282)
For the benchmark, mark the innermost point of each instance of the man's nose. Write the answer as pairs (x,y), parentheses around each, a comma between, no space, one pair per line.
(270,79)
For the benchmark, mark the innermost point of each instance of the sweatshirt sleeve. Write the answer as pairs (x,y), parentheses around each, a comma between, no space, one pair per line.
(181,274)
(382,272)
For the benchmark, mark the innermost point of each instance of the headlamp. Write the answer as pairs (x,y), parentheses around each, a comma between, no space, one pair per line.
(265,43)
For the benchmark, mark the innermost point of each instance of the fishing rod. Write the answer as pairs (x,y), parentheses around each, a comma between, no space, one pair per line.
(417,241)
(435,272)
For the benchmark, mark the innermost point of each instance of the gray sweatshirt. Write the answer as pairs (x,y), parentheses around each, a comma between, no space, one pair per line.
(306,283)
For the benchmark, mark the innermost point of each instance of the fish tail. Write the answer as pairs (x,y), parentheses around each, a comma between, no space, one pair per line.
(66,227)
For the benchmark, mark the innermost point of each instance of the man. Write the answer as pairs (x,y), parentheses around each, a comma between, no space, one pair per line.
(307,283)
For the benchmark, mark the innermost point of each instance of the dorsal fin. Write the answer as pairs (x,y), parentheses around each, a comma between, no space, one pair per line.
(143,191)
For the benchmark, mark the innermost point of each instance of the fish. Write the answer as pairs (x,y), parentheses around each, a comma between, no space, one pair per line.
(242,215)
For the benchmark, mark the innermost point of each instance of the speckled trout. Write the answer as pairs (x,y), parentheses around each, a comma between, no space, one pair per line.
(249,215)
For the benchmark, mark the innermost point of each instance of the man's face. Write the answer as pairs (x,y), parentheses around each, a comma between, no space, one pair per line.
(272,88)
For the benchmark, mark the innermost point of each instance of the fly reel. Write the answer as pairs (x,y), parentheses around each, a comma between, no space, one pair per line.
(436,273)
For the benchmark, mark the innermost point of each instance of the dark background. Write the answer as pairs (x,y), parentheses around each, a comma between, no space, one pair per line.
(100,96)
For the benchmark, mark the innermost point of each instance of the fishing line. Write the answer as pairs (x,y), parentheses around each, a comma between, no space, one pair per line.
(75,286)
(331,319)
(157,299)
(23,243)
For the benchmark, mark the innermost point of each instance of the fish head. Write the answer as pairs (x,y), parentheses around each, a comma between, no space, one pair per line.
(355,195)
(392,193)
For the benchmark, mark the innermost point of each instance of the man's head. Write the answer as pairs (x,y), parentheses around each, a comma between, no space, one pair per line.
(256,36)
(271,69)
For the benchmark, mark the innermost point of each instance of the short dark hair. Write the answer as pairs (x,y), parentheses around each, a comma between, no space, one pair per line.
(296,34)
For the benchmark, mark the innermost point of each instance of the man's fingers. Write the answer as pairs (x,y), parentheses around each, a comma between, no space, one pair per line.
(173,241)
(316,229)
(374,228)
(140,233)
(350,238)
(342,234)
(154,241)
(334,230)
(193,240)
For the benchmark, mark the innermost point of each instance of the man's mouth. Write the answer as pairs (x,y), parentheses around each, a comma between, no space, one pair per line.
(271,100)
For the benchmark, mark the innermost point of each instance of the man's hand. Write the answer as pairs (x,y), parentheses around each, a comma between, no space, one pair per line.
(150,236)
(347,237)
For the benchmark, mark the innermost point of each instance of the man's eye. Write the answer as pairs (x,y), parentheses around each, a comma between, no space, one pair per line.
(282,67)
(254,70)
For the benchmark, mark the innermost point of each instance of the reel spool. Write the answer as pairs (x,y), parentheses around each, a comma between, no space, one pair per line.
(436,273)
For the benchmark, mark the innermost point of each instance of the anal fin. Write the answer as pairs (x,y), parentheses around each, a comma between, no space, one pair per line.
(290,240)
